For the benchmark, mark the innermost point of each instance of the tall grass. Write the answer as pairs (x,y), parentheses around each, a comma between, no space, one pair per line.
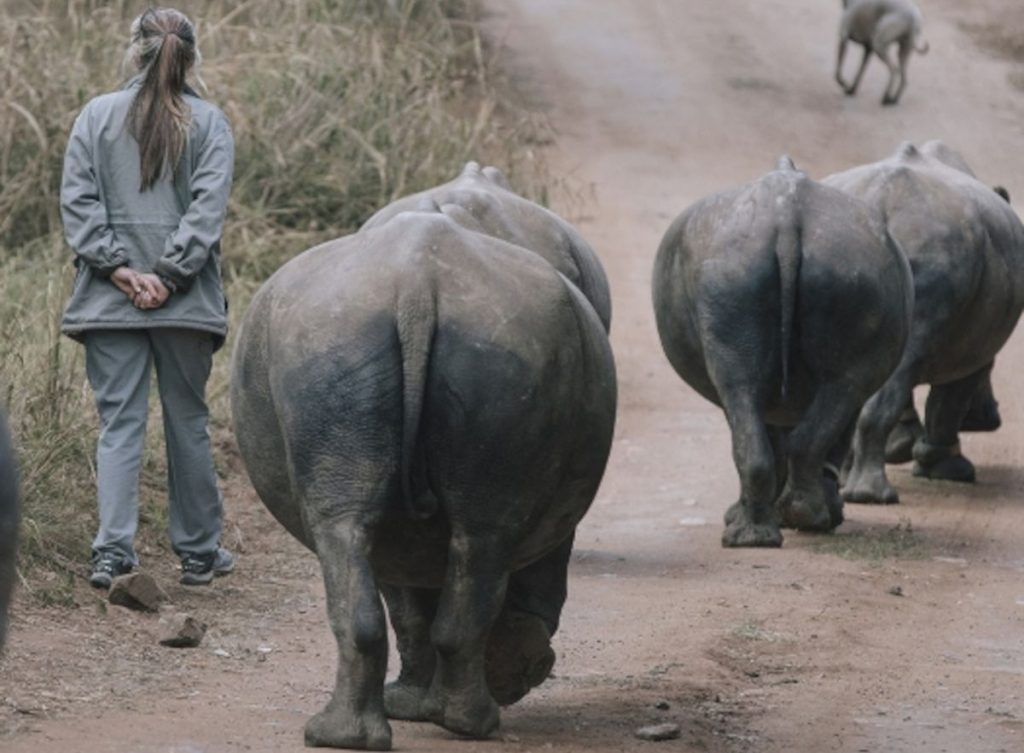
(337,106)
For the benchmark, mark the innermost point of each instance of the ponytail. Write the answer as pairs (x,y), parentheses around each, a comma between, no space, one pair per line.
(164,50)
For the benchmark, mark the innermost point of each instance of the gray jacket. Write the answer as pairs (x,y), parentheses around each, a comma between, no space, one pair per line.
(172,229)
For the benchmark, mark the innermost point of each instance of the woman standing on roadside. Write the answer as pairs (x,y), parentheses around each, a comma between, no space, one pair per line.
(145,188)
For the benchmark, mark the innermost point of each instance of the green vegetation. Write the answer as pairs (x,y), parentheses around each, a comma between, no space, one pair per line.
(338,107)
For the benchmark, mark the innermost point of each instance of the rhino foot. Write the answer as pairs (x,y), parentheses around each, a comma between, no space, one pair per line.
(899,447)
(519,656)
(466,714)
(733,513)
(743,533)
(809,512)
(833,501)
(803,515)
(954,468)
(869,489)
(405,701)
(335,727)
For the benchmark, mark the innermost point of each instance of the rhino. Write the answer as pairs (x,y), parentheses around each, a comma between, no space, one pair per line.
(786,303)
(429,407)
(983,411)
(519,654)
(8,523)
(965,245)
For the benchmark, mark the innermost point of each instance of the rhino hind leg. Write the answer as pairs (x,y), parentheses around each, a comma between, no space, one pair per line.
(519,655)
(983,413)
(937,453)
(777,437)
(354,717)
(899,445)
(809,501)
(866,481)
(471,600)
(751,521)
(412,612)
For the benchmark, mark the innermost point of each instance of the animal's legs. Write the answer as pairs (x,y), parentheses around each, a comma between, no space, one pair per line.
(866,481)
(354,717)
(840,57)
(906,46)
(899,446)
(412,612)
(471,599)
(983,415)
(519,653)
(883,55)
(752,520)
(805,502)
(852,88)
(937,453)
(777,437)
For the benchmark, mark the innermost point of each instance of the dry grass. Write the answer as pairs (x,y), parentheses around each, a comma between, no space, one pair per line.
(337,106)
(876,544)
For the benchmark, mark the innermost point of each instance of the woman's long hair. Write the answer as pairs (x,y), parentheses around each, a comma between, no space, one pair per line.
(163,48)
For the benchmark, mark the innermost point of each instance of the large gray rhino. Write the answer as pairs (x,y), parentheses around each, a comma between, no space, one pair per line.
(966,248)
(786,303)
(519,654)
(430,409)
(983,412)
(8,523)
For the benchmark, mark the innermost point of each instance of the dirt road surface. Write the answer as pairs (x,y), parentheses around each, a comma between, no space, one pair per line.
(903,632)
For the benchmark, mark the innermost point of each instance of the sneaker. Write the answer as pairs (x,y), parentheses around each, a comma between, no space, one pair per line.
(200,569)
(106,566)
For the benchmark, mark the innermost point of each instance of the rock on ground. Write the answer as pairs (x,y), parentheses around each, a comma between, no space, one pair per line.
(137,591)
(178,630)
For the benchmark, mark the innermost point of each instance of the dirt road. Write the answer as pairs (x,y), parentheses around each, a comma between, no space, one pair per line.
(903,632)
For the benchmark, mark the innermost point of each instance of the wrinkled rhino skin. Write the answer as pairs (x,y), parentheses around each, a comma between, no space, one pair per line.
(965,245)
(430,409)
(8,523)
(785,303)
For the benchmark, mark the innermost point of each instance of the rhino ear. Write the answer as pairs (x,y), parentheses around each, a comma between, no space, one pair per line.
(1003,192)
(785,163)
(497,177)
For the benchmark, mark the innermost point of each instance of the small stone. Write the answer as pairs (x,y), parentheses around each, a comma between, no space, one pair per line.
(659,732)
(662,705)
(896,590)
(136,591)
(181,630)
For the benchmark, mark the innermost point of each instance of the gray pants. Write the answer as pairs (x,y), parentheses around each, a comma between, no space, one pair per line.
(118,363)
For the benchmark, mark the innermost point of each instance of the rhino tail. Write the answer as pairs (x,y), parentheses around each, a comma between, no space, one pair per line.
(787,252)
(416,325)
